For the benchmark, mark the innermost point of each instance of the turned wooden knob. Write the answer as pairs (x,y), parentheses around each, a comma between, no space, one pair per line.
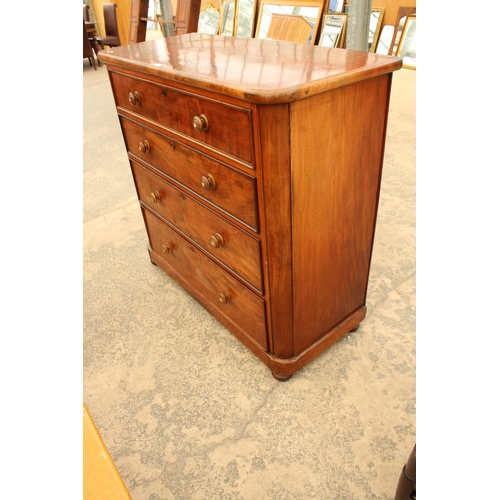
(217,240)
(167,248)
(134,98)
(208,182)
(155,197)
(200,123)
(144,147)
(224,297)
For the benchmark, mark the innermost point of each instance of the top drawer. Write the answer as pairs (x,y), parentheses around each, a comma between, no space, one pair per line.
(222,126)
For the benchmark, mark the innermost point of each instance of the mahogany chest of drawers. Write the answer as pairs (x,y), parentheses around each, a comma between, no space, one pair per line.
(257,165)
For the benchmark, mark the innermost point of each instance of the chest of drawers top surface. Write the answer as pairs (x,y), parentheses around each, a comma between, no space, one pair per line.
(251,69)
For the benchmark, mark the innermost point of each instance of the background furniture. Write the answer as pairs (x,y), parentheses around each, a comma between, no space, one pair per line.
(188,12)
(259,196)
(86,13)
(123,14)
(289,27)
(392,9)
(88,53)
(112,37)
(138,27)
(92,36)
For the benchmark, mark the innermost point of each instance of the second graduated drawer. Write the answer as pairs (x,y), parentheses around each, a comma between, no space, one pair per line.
(231,190)
(222,126)
(228,244)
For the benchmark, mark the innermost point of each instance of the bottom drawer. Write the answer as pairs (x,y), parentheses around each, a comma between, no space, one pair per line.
(231,298)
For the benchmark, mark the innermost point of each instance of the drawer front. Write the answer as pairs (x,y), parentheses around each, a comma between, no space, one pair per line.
(231,246)
(229,189)
(228,128)
(230,297)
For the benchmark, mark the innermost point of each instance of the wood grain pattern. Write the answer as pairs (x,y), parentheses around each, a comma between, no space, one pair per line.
(276,212)
(186,18)
(234,193)
(244,307)
(337,151)
(241,251)
(229,127)
(254,70)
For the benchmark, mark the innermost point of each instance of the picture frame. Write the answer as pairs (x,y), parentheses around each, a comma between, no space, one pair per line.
(333,29)
(385,40)
(228,17)
(209,20)
(376,18)
(403,13)
(245,18)
(407,47)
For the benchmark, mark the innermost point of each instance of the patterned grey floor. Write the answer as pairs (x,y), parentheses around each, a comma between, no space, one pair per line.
(189,413)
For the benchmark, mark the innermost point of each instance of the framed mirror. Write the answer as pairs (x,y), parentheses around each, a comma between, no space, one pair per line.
(245,18)
(376,18)
(403,13)
(333,30)
(335,6)
(228,17)
(209,20)
(290,20)
(407,47)
(385,40)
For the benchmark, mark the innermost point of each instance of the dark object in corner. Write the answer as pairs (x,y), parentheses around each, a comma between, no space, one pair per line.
(407,484)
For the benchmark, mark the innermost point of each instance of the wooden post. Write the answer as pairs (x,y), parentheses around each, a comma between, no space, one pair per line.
(187,15)
(138,11)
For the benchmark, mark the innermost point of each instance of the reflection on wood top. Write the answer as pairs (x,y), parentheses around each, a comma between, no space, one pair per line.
(261,71)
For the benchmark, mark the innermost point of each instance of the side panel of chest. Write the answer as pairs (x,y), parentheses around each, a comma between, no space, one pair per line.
(337,141)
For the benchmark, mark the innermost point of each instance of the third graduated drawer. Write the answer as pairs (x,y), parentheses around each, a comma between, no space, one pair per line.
(235,301)
(228,244)
(225,127)
(229,189)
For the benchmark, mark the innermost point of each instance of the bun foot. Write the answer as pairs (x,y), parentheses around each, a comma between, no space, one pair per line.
(281,378)
(354,329)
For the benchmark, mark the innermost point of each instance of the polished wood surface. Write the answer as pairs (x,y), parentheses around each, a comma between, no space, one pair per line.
(261,71)
(241,306)
(228,189)
(287,273)
(229,127)
(101,479)
(238,250)
(335,203)
(275,212)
